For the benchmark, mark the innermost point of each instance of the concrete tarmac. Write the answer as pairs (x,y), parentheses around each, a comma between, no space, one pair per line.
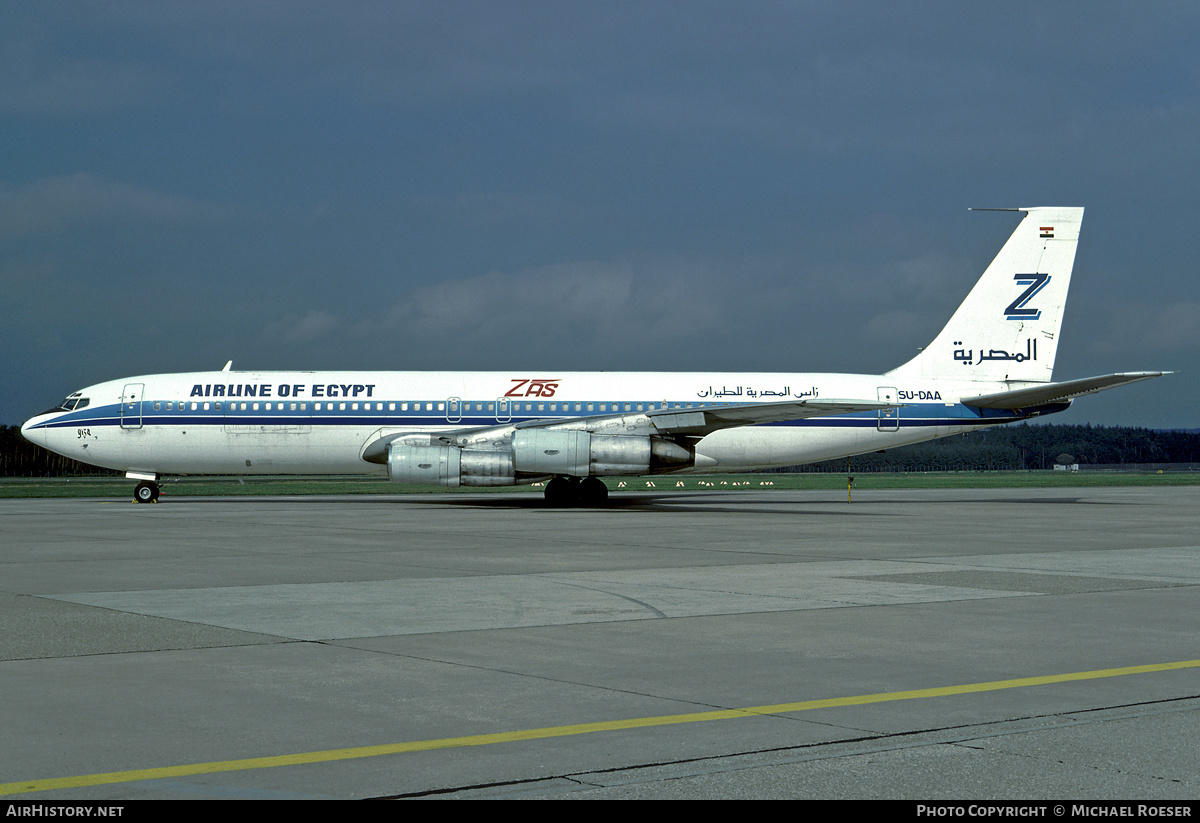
(954,644)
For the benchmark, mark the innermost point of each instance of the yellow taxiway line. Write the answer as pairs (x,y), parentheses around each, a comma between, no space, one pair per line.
(330,755)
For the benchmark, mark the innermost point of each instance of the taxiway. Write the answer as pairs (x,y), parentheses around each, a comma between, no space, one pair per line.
(913,644)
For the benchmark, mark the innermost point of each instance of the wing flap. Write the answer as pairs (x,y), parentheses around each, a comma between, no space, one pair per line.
(711,418)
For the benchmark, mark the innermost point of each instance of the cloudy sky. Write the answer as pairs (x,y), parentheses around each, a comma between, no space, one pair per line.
(682,186)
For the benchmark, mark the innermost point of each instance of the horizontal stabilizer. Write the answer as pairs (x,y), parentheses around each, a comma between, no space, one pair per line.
(1056,392)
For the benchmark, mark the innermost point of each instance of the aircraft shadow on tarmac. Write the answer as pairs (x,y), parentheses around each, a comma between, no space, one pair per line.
(749,503)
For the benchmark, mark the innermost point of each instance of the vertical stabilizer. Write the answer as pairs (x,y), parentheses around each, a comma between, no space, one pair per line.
(1007,328)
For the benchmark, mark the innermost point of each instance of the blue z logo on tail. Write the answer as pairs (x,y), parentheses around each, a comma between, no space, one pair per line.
(1017,309)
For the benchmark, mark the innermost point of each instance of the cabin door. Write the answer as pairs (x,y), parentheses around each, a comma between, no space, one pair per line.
(888,419)
(131,406)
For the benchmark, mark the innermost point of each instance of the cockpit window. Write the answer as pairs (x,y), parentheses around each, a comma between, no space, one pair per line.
(73,402)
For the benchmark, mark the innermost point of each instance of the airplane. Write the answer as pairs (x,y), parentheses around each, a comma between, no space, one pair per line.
(991,364)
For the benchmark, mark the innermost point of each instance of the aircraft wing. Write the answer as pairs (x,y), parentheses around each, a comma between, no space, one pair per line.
(695,422)
(1056,392)
(711,418)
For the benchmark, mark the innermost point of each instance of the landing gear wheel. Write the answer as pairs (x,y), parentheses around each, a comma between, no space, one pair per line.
(592,492)
(559,491)
(572,491)
(146,492)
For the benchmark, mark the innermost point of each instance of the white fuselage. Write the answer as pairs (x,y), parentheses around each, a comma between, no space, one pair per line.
(321,422)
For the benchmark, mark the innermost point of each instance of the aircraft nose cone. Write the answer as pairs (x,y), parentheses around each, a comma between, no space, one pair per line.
(37,436)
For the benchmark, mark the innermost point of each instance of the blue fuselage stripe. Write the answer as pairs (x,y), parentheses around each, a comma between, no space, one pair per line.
(916,415)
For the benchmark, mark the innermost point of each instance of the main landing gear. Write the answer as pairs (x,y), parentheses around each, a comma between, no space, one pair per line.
(146,492)
(572,491)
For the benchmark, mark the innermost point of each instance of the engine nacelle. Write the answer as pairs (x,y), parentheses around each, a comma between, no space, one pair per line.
(580,453)
(433,465)
(451,466)
(535,453)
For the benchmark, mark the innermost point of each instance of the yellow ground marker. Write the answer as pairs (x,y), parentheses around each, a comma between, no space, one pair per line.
(331,755)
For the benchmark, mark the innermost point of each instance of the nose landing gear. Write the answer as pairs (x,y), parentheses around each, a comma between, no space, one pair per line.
(146,492)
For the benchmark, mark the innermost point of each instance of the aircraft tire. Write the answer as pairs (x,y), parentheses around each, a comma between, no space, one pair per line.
(592,492)
(146,492)
(559,492)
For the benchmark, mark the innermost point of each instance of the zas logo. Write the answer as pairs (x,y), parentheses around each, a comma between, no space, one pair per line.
(1019,308)
(531,387)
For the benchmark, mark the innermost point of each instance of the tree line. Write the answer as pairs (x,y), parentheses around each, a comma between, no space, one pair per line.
(1002,448)
(20,458)
(1030,447)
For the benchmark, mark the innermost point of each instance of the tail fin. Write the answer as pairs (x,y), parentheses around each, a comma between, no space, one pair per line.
(1007,328)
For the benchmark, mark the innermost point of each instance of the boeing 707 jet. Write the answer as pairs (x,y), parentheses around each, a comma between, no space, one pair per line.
(991,364)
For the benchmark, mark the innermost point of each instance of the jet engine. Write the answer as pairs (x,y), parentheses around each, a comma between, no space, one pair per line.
(535,454)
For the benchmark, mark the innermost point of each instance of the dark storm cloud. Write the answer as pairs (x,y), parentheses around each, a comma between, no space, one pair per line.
(763,186)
